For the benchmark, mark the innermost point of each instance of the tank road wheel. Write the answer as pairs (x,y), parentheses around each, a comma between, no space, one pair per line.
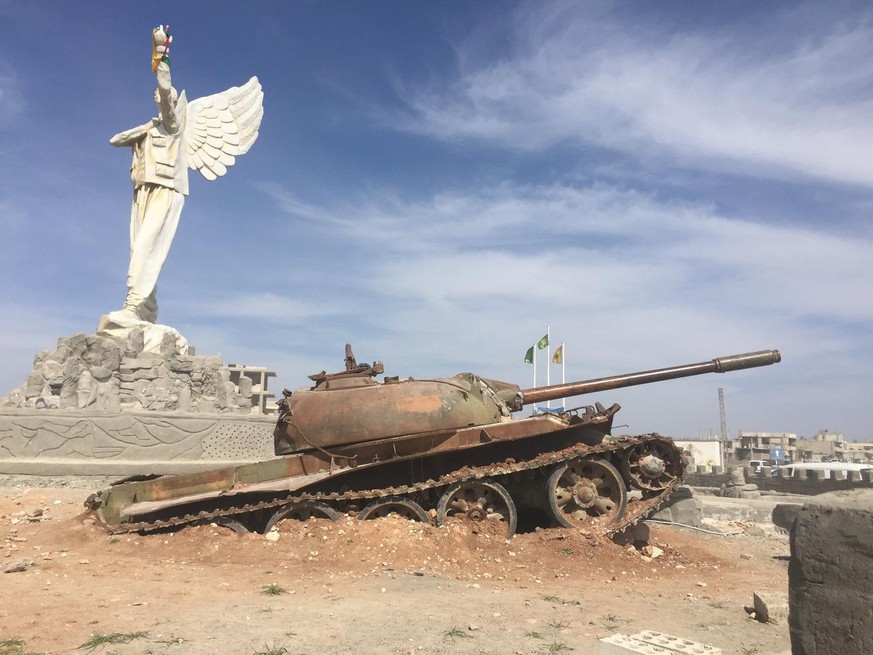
(587,494)
(308,509)
(477,501)
(403,507)
(651,465)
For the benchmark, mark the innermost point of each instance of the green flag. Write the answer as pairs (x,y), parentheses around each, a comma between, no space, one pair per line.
(542,343)
(528,357)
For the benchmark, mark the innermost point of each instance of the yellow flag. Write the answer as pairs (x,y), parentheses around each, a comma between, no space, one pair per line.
(558,357)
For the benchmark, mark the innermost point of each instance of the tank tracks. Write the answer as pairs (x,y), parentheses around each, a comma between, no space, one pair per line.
(636,509)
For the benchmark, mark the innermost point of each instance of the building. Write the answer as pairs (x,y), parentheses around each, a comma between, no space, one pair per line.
(825,446)
(760,445)
(859,451)
(706,452)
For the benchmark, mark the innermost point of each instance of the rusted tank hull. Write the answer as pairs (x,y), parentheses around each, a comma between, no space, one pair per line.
(402,461)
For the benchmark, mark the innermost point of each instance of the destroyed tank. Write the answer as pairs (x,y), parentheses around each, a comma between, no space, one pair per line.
(436,450)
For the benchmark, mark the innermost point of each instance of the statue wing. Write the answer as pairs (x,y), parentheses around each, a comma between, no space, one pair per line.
(222,126)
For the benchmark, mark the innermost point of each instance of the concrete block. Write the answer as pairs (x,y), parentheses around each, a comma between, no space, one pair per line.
(830,575)
(650,642)
(676,644)
(770,607)
(688,511)
(619,644)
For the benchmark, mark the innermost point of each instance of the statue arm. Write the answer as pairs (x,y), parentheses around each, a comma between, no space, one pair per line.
(131,136)
(165,98)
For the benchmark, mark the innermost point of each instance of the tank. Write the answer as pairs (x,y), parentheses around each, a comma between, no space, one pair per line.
(439,449)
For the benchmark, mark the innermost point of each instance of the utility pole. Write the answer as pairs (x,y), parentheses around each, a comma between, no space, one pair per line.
(723,427)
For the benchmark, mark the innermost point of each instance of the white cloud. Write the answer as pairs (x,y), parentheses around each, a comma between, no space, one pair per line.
(770,104)
(614,246)
(259,305)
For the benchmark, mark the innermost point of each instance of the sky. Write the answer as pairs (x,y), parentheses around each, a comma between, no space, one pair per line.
(441,183)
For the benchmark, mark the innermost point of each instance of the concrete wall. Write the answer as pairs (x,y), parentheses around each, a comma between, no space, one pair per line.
(812,484)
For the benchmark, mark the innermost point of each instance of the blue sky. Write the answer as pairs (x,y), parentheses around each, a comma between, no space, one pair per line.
(436,183)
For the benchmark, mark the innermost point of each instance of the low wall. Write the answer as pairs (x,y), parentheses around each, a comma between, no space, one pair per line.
(87,442)
(807,483)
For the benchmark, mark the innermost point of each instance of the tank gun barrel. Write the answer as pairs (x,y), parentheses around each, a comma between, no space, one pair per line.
(717,365)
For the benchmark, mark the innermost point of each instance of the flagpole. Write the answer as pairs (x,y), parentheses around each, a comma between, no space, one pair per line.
(535,374)
(563,372)
(548,355)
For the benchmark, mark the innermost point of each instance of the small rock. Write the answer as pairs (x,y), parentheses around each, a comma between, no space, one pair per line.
(17,565)
(652,551)
(272,535)
(473,627)
(771,606)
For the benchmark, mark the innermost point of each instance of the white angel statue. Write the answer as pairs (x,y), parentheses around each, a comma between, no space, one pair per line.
(206,135)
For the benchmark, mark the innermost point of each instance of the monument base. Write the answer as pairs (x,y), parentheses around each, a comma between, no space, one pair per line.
(105,404)
(77,442)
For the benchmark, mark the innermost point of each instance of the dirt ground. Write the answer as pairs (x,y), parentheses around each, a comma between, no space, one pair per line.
(383,586)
